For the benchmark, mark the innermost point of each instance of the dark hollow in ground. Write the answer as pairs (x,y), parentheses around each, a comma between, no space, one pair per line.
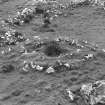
(53,49)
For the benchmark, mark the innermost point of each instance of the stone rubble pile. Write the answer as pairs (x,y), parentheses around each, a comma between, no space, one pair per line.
(25,16)
(40,7)
(11,37)
(91,93)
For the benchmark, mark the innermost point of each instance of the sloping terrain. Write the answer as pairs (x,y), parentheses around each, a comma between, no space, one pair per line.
(39,87)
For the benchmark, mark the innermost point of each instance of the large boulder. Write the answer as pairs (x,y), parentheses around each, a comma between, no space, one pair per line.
(94,93)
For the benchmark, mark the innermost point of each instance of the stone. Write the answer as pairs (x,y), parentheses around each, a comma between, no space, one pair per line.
(50,70)
(71,95)
(67,65)
(94,92)
(25,67)
(39,68)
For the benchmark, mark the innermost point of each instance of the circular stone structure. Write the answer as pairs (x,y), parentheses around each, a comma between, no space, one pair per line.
(63,54)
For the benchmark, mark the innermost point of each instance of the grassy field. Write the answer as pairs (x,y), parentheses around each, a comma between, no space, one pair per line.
(39,88)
